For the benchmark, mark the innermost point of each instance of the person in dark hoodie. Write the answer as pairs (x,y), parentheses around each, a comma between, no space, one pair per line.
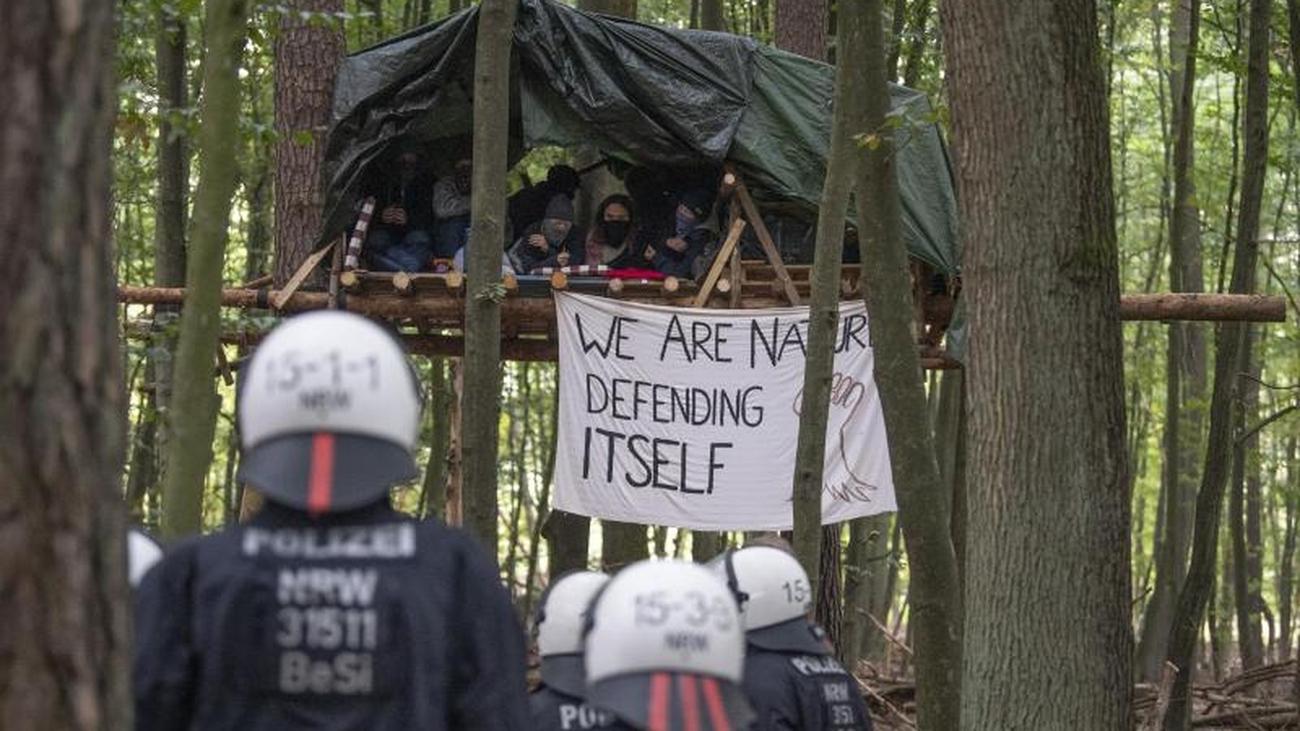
(551,242)
(612,240)
(558,703)
(529,205)
(329,609)
(791,675)
(675,253)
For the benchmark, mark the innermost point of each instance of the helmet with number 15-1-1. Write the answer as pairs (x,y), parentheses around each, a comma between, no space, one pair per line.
(329,413)
(665,650)
(774,596)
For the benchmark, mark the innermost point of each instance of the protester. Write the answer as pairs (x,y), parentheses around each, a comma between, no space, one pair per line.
(551,242)
(791,676)
(529,205)
(328,609)
(676,252)
(665,650)
(451,201)
(399,238)
(612,239)
(557,704)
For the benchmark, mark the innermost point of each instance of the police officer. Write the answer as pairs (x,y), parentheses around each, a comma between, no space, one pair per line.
(329,609)
(665,649)
(557,704)
(791,677)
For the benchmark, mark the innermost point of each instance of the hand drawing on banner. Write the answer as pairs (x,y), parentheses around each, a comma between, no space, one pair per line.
(846,403)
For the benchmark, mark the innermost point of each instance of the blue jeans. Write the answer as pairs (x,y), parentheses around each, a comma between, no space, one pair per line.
(450,236)
(386,252)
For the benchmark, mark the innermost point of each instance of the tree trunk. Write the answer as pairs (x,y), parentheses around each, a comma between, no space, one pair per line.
(1185,360)
(435,472)
(916,46)
(801,27)
(711,15)
(568,539)
(823,314)
(1286,562)
(1244,517)
(829,609)
(307,54)
(65,649)
(705,545)
(865,577)
(621,8)
(482,373)
(192,419)
(1049,511)
(1293,18)
(924,507)
(622,544)
(1229,345)
(898,22)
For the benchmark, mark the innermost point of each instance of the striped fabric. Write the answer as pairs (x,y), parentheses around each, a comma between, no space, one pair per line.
(590,270)
(353,259)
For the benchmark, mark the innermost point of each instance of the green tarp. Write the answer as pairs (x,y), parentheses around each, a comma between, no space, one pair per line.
(649,95)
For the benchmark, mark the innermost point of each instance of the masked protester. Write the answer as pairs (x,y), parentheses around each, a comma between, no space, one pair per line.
(612,239)
(673,252)
(550,242)
(530,204)
(329,609)
(664,650)
(451,196)
(557,704)
(399,238)
(791,677)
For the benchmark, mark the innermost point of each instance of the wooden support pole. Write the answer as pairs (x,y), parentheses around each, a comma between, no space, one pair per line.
(765,240)
(402,283)
(1213,307)
(719,261)
(559,280)
(278,298)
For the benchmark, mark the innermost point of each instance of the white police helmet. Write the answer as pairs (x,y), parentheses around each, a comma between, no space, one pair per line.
(142,552)
(560,619)
(329,413)
(774,596)
(665,649)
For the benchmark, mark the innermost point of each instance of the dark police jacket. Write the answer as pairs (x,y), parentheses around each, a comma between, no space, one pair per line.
(804,692)
(362,620)
(554,710)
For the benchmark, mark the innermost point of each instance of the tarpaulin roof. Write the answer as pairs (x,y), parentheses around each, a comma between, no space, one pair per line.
(650,95)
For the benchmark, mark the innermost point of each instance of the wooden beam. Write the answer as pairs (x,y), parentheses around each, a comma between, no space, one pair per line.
(719,261)
(1215,307)
(447,309)
(765,240)
(278,299)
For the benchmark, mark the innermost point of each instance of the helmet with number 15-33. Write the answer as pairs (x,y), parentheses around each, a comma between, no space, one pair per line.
(665,650)
(329,413)
(774,596)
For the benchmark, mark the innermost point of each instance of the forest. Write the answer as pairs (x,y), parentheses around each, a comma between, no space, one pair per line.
(1097,519)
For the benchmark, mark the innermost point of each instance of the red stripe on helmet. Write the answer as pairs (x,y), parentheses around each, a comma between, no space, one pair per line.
(717,711)
(690,703)
(657,719)
(320,475)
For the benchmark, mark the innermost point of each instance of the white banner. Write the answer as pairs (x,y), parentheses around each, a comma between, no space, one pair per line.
(689,417)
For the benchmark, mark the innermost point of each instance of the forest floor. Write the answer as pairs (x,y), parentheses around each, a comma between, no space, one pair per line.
(1260,698)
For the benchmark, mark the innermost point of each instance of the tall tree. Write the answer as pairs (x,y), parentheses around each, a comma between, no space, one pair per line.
(1244,514)
(801,27)
(64,656)
(823,315)
(923,500)
(308,47)
(169,247)
(192,419)
(1185,358)
(711,17)
(1230,343)
(1047,544)
(482,364)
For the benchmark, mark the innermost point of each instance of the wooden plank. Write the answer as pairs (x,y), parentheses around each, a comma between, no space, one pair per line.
(719,261)
(738,279)
(442,308)
(765,240)
(279,298)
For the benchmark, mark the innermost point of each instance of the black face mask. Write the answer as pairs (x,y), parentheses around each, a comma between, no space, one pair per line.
(614,231)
